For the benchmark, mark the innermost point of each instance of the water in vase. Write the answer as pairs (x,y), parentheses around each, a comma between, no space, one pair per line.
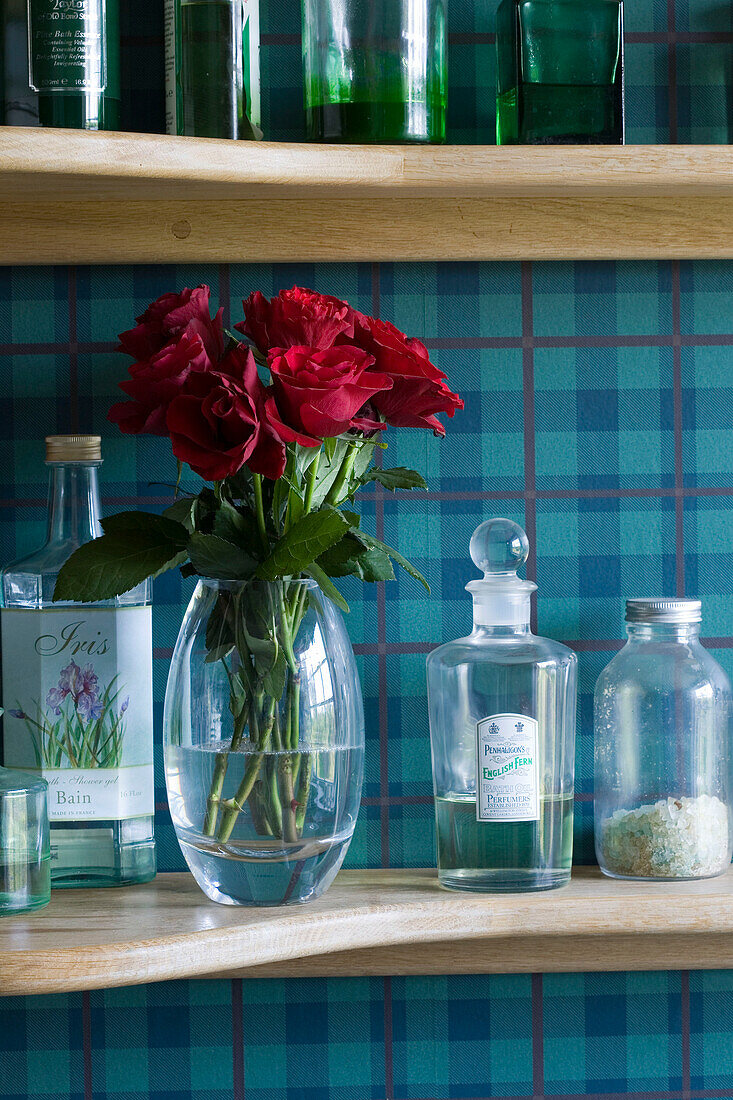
(326,784)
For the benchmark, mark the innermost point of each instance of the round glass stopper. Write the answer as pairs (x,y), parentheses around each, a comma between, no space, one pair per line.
(499,546)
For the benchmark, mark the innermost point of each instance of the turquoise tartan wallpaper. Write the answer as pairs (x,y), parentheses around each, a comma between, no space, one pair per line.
(599,412)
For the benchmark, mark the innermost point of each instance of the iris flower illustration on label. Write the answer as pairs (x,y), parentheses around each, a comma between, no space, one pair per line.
(81,726)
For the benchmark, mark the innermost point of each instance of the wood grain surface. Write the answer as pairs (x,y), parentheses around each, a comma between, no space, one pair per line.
(74,197)
(370,922)
(41,163)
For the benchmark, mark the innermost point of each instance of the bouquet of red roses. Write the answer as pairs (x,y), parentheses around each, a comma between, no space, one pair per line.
(282,460)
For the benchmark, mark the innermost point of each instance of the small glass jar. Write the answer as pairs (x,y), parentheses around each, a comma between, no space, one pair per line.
(662,750)
(375,70)
(25,848)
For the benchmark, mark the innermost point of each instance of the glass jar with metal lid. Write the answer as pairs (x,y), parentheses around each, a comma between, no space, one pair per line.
(662,750)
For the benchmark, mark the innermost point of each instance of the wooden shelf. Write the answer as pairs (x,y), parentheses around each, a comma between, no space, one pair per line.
(369,923)
(67,196)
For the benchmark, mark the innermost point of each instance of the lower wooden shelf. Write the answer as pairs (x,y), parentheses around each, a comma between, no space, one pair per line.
(370,923)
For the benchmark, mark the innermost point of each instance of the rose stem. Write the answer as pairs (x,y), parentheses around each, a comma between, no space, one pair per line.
(310,483)
(334,493)
(285,771)
(260,512)
(304,790)
(234,806)
(220,771)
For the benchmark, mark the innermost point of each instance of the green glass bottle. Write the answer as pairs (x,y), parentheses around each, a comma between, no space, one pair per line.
(213,68)
(375,72)
(60,63)
(560,72)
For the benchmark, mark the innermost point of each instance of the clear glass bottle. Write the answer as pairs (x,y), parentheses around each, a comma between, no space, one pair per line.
(77,691)
(375,70)
(212,51)
(502,731)
(25,853)
(662,750)
(60,63)
(560,72)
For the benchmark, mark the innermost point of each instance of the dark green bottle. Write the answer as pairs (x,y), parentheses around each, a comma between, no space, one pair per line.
(60,63)
(375,71)
(560,72)
(213,68)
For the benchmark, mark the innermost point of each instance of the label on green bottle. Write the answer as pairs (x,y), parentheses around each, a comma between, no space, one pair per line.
(507,787)
(66,45)
(78,698)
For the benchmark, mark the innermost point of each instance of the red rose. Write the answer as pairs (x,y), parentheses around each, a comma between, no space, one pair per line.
(155,382)
(296,318)
(168,317)
(418,390)
(320,392)
(218,422)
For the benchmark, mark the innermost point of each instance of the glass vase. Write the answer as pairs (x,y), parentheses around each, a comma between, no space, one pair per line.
(264,741)
(375,70)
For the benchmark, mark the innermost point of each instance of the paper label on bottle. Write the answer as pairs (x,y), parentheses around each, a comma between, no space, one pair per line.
(66,45)
(78,698)
(507,787)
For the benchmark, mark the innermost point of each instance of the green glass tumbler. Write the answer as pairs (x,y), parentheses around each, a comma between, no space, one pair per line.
(560,72)
(25,847)
(375,70)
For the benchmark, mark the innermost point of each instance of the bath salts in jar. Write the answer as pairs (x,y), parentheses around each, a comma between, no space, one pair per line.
(662,750)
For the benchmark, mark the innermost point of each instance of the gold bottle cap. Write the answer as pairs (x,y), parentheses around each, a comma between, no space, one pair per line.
(73,448)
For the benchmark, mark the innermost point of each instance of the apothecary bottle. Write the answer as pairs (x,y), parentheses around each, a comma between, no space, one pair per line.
(502,732)
(60,63)
(375,71)
(662,801)
(77,691)
(560,72)
(212,54)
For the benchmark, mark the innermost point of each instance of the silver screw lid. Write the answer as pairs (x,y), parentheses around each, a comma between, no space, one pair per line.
(663,611)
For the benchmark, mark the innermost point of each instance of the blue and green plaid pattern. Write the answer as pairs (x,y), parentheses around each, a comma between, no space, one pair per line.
(598,414)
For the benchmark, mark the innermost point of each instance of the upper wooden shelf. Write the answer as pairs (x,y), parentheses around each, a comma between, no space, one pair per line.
(369,923)
(72,197)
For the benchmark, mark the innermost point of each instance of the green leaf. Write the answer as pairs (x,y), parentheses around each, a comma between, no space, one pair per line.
(122,558)
(340,560)
(216,557)
(328,472)
(329,447)
(364,456)
(274,680)
(220,639)
(218,653)
(181,511)
(326,585)
(303,543)
(375,565)
(353,517)
(147,523)
(408,567)
(398,477)
(265,651)
(230,524)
